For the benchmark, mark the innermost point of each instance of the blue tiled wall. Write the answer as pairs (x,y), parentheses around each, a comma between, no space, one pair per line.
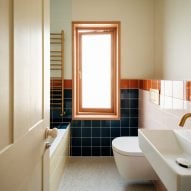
(56,120)
(94,137)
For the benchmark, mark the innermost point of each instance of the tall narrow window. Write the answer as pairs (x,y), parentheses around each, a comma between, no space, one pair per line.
(96,70)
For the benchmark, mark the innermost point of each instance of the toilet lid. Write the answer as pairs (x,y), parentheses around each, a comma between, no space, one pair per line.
(127,146)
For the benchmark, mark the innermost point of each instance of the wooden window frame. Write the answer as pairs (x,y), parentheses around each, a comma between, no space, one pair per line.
(79,29)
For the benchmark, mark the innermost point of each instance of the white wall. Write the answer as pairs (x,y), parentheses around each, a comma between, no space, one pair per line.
(164,116)
(60,19)
(137,30)
(173,39)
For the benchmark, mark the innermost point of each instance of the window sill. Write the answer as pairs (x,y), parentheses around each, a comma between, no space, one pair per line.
(96,117)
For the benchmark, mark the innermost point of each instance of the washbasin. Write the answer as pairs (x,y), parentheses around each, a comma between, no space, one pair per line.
(163,148)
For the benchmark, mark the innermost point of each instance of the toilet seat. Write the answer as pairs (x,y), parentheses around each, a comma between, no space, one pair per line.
(127,146)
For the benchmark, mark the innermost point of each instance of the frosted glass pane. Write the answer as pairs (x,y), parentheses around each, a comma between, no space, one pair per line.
(96,71)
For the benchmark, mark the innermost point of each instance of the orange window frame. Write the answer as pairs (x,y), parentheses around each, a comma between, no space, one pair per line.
(82,28)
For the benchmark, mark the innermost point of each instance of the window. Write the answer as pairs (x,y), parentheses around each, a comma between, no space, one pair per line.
(96,70)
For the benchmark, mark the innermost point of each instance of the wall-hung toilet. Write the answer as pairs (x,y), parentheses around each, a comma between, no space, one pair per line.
(130,161)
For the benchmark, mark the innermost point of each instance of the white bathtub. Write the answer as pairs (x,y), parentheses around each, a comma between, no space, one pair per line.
(59,152)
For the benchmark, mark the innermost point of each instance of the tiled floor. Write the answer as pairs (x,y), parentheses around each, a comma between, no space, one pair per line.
(96,174)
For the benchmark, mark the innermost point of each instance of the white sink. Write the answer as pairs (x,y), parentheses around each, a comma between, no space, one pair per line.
(162,148)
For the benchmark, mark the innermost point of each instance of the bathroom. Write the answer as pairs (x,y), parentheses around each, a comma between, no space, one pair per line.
(155,45)
(145,32)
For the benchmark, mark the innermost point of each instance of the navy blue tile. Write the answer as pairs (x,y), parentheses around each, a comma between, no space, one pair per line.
(67,103)
(133,112)
(96,136)
(68,93)
(66,119)
(112,138)
(115,132)
(133,93)
(125,122)
(86,142)
(133,122)
(96,132)
(96,142)
(76,142)
(96,123)
(76,151)
(76,123)
(124,93)
(57,120)
(106,142)
(111,151)
(105,132)
(63,125)
(68,113)
(55,124)
(56,113)
(125,103)
(133,131)
(125,132)
(115,123)
(133,103)
(86,132)
(86,151)
(96,151)
(105,151)
(76,132)
(105,123)
(86,123)
(125,113)
(52,125)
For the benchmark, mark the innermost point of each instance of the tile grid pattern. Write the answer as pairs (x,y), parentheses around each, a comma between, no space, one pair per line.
(56,120)
(101,133)
(94,137)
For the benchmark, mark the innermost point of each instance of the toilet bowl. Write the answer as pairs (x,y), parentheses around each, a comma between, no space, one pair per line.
(130,161)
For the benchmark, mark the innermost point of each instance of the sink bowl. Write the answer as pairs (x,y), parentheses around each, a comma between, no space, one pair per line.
(162,148)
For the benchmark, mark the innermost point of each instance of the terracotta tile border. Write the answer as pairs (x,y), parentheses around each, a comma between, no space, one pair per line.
(124,83)
(57,83)
(131,84)
(68,84)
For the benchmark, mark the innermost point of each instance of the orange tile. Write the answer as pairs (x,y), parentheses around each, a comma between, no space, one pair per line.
(57,83)
(133,83)
(145,86)
(68,84)
(124,83)
(141,84)
(149,84)
(188,84)
(154,84)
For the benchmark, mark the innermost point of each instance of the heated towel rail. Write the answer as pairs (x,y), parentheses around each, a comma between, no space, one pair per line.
(57,72)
